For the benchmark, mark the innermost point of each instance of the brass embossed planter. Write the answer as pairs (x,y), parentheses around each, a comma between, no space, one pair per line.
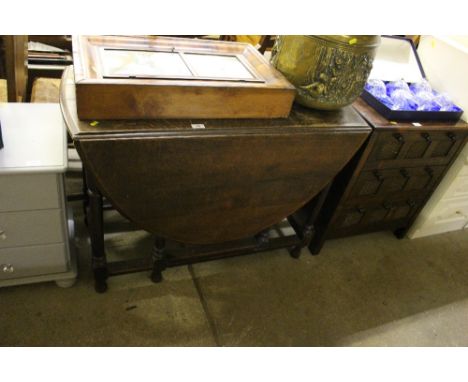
(329,72)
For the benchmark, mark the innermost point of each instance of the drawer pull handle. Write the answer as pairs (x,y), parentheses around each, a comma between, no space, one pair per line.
(452,136)
(399,138)
(7,268)
(2,235)
(361,210)
(378,175)
(427,137)
(404,173)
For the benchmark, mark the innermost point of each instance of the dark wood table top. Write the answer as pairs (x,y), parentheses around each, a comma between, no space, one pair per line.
(228,181)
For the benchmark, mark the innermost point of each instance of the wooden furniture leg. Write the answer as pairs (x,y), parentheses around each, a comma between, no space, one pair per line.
(159,259)
(96,234)
(307,232)
(263,238)
(316,246)
(400,233)
(16,57)
(266,42)
(306,236)
(85,196)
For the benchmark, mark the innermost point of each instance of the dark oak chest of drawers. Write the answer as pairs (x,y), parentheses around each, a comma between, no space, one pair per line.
(390,179)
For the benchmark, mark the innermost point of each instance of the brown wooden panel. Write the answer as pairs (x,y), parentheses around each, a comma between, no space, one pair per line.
(360,218)
(16,57)
(445,144)
(387,147)
(143,77)
(411,148)
(205,189)
(416,149)
(423,178)
(145,102)
(396,182)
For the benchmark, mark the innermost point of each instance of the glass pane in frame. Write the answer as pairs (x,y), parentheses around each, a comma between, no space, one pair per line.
(139,63)
(218,66)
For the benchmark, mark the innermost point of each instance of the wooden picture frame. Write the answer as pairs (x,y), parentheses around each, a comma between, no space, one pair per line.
(123,77)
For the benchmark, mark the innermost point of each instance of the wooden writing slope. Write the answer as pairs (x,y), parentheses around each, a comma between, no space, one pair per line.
(163,77)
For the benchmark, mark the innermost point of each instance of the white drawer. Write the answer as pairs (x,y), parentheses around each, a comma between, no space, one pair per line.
(453,223)
(464,169)
(458,188)
(31,228)
(32,261)
(452,209)
(29,192)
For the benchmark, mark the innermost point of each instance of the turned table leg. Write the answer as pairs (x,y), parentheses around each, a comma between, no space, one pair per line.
(306,237)
(85,196)
(400,233)
(159,259)
(263,238)
(96,233)
(308,230)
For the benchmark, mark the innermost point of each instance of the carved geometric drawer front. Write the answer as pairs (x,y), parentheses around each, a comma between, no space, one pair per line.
(376,214)
(444,143)
(367,186)
(369,183)
(350,217)
(389,181)
(417,149)
(367,215)
(387,147)
(441,149)
(362,215)
(400,211)
(435,146)
(431,144)
(423,178)
(396,181)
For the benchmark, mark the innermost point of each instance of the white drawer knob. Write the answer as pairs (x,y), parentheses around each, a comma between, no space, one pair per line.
(7,268)
(2,235)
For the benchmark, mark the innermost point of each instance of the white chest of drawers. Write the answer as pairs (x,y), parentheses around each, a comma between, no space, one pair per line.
(445,60)
(35,227)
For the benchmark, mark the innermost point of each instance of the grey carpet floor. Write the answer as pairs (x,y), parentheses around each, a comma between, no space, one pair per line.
(363,290)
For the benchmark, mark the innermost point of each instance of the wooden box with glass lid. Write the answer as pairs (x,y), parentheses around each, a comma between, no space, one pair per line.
(164,77)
